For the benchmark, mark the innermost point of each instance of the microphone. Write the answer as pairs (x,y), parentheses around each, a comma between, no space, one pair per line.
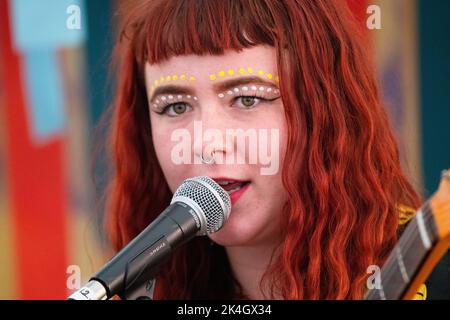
(199,206)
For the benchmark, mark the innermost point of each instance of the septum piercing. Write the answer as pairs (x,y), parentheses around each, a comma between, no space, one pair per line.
(211,159)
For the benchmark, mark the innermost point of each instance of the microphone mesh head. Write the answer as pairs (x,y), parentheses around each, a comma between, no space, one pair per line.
(213,201)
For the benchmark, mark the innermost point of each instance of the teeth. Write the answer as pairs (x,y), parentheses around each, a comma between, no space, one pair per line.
(233,190)
(224,182)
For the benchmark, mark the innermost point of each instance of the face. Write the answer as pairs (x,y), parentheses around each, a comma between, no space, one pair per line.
(225,109)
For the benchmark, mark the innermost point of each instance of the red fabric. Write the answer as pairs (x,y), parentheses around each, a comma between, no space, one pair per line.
(36,187)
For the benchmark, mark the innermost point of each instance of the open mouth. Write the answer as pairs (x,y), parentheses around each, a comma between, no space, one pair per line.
(232,186)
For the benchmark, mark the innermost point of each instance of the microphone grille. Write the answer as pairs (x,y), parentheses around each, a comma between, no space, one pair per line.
(210,198)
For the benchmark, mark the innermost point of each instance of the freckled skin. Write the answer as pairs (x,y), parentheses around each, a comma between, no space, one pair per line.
(254,218)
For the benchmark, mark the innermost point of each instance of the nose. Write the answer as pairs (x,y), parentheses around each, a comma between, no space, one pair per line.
(211,143)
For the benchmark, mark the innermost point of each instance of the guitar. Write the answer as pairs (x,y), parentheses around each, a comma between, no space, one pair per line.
(423,243)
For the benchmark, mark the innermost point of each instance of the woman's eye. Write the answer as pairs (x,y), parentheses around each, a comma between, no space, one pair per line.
(176,109)
(248,102)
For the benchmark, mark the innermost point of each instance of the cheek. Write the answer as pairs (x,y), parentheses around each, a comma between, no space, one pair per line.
(162,143)
(162,150)
(159,135)
(272,184)
(274,120)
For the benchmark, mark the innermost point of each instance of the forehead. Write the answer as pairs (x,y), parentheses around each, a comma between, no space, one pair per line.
(259,58)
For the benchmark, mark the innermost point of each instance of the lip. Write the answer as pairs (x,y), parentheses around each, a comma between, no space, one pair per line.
(234,197)
(216,179)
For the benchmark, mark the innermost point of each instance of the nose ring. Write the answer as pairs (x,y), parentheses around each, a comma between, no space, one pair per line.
(209,160)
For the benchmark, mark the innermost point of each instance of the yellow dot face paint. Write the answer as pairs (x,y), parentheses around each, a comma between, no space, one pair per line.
(241,71)
(214,76)
(169,78)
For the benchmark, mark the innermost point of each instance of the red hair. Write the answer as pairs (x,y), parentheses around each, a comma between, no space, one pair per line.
(341,172)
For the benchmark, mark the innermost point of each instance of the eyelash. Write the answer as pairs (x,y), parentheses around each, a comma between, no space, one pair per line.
(261,97)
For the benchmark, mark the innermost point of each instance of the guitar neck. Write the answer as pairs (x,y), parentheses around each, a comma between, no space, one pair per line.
(407,257)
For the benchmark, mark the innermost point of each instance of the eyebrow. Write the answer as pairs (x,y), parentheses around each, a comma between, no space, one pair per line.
(218,87)
(171,89)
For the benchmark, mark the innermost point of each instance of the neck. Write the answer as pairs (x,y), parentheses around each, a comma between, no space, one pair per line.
(249,265)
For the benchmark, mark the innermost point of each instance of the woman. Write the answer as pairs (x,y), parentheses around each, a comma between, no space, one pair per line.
(308,229)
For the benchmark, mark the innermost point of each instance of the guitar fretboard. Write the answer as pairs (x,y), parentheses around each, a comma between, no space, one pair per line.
(407,256)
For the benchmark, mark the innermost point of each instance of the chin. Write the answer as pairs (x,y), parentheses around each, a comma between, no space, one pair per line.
(231,235)
(230,242)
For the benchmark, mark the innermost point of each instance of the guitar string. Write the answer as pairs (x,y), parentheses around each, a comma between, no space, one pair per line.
(409,235)
(405,241)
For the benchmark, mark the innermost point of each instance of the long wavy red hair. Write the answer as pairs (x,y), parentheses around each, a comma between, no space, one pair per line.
(342,170)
